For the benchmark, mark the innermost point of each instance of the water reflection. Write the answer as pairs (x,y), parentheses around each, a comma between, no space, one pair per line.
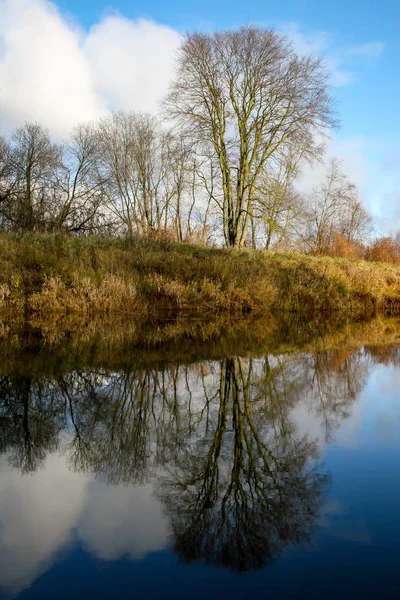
(220,457)
(31,419)
(243,486)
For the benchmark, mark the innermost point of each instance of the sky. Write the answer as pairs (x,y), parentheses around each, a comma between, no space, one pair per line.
(67,61)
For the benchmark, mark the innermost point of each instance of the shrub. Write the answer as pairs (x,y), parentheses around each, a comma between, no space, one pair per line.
(384,249)
(342,248)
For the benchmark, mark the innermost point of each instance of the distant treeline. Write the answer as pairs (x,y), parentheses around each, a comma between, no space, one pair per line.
(219,165)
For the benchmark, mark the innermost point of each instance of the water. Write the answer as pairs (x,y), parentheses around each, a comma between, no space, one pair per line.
(178,465)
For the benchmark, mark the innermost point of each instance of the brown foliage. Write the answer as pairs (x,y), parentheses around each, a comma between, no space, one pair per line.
(337,358)
(385,249)
(342,248)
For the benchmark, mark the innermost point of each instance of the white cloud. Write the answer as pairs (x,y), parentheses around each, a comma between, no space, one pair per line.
(132,61)
(52,72)
(370,50)
(42,515)
(387,216)
(312,44)
(44,74)
(351,151)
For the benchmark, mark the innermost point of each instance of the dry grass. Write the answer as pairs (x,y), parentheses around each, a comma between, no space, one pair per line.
(55,274)
(83,296)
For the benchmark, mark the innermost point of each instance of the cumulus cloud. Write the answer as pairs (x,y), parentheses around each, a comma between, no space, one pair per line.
(52,72)
(132,61)
(44,74)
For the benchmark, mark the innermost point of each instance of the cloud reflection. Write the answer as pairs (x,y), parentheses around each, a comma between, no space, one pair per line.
(44,515)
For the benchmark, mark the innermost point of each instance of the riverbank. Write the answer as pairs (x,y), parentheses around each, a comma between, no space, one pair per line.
(47,275)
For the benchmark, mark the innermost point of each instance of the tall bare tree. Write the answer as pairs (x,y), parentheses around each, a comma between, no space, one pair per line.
(247,95)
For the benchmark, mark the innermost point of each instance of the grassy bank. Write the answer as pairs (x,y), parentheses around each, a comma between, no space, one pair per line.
(54,274)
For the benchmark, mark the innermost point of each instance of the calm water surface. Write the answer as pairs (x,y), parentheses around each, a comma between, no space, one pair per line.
(270,476)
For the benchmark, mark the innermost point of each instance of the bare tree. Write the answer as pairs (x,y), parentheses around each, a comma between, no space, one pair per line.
(131,165)
(248,96)
(334,207)
(355,224)
(33,162)
(46,186)
(278,207)
(178,169)
(7,182)
(5,171)
(81,205)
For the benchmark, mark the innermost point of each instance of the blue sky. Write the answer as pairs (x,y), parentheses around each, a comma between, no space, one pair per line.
(347,23)
(118,55)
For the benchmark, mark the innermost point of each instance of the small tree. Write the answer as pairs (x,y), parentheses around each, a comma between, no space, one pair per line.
(33,164)
(334,208)
(81,205)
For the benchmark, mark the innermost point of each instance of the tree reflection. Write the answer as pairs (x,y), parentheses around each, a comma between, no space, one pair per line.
(246,490)
(238,479)
(30,421)
(124,425)
(337,379)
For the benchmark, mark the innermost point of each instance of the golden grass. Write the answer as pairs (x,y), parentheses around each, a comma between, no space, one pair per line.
(56,274)
(111,294)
